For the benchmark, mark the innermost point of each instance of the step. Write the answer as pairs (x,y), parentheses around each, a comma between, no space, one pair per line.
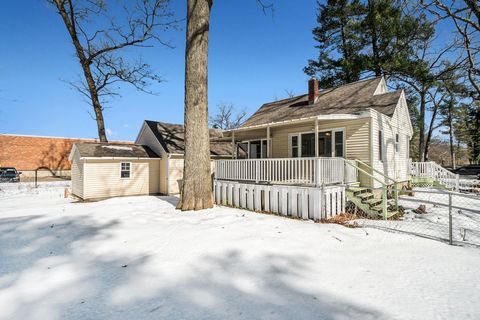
(373,201)
(365,196)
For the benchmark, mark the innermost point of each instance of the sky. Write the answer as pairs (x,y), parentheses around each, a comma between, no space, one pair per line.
(253,58)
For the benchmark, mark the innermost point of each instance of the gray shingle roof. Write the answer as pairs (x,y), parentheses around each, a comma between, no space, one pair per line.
(172,138)
(109,150)
(351,98)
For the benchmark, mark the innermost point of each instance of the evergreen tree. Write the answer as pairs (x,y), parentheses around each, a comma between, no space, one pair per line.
(370,37)
(338,42)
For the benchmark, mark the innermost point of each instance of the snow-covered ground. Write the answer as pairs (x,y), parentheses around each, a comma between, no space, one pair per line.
(139,258)
(434,224)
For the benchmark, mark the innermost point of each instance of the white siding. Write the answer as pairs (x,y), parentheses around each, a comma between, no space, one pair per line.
(77,175)
(147,138)
(102,178)
(394,163)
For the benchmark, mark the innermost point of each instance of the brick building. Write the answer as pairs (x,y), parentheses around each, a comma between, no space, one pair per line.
(28,153)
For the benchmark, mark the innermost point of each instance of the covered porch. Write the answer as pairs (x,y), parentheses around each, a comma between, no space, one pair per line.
(320,136)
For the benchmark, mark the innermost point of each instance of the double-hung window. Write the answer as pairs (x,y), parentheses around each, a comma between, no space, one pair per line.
(397,143)
(380,146)
(125,170)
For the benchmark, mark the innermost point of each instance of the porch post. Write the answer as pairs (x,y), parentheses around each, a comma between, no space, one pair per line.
(316,137)
(268,142)
(233,144)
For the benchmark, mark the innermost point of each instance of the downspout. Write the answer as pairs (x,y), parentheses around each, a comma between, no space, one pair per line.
(168,174)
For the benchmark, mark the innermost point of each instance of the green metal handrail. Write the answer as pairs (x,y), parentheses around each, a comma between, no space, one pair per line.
(384,187)
(395,183)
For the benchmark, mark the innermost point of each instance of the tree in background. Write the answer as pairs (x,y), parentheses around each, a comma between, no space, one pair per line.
(339,43)
(98,48)
(227,117)
(363,38)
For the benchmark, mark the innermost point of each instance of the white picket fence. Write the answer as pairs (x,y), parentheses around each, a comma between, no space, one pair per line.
(314,203)
(310,171)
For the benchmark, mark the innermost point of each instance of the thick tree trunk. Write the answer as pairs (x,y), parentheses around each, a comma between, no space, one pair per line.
(431,127)
(69,21)
(421,129)
(196,191)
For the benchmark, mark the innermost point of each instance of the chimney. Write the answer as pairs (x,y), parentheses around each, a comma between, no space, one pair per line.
(312,90)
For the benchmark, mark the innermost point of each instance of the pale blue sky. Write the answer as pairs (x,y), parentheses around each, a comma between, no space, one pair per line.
(253,58)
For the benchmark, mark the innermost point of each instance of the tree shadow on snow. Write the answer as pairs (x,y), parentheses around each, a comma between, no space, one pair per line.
(70,267)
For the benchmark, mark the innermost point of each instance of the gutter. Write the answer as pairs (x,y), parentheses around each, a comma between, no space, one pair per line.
(118,158)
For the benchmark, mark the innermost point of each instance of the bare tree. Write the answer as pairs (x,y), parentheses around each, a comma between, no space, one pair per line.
(465,15)
(227,117)
(98,49)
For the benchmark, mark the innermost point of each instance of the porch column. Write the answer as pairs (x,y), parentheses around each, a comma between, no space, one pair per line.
(268,142)
(316,137)
(233,144)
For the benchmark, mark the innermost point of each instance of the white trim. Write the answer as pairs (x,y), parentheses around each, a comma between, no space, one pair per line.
(129,170)
(248,147)
(118,158)
(299,135)
(338,116)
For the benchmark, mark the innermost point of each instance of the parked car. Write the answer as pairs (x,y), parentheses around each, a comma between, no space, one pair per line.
(469,170)
(9,175)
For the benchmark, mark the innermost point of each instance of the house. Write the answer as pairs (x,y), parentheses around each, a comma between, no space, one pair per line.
(29,153)
(153,165)
(355,134)
(358,121)
(305,156)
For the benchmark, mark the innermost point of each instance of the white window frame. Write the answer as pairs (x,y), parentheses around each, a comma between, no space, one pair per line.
(381,145)
(299,135)
(248,146)
(129,170)
(397,142)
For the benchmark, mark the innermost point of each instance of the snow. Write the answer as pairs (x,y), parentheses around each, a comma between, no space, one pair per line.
(118,148)
(139,258)
(435,223)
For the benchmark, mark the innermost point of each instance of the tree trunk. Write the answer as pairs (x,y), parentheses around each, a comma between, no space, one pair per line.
(196,193)
(84,62)
(421,127)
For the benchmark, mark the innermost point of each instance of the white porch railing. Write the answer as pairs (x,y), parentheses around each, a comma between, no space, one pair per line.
(310,171)
(435,172)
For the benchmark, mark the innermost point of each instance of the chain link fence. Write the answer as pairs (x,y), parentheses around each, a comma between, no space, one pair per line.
(438,214)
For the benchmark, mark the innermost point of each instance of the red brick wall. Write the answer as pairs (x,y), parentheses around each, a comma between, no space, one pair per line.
(30,153)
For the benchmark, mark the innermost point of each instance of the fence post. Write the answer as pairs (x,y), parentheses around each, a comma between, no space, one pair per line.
(395,194)
(317,172)
(257,171)
(384,198)
(457,183)
(450,231)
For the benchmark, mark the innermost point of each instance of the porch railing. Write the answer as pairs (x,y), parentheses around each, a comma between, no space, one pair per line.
(312,171)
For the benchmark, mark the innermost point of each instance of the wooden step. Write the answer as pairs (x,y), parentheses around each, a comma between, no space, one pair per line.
(372,202)
(357,190)
(365,196)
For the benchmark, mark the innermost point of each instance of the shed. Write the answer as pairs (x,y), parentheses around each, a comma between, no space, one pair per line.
(101,170)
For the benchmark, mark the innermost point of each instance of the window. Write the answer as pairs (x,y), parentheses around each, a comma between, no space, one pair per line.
(125,170)
(294,146)
(308,144)
(330,144)
(380,145)
(338,144)
(407,146)
(397,143)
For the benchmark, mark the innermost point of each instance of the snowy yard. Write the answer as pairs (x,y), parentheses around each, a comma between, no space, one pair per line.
(138,258)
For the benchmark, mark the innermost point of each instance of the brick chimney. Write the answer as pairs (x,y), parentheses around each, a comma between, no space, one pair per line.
(312,90)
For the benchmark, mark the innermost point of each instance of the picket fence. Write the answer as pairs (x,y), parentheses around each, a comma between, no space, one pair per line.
(314,203)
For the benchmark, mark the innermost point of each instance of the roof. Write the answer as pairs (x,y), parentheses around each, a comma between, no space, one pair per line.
(353,98)
(114,150)
(172,138)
